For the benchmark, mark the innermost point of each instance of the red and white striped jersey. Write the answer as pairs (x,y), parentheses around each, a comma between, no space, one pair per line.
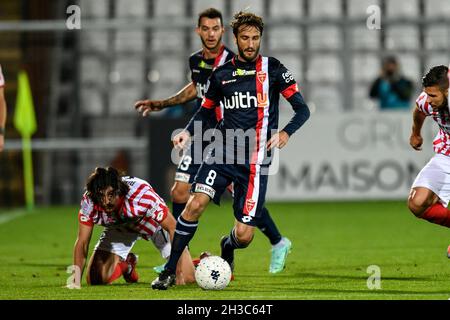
(441,143)
(142,210)
(2,78)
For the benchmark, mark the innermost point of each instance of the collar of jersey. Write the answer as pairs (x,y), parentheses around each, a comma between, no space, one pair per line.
(245,65)
(222,48)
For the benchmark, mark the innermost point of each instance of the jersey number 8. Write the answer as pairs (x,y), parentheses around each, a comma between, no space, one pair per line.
(211,177)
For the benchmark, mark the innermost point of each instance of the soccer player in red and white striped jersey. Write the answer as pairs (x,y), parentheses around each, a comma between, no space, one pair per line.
(129,209)
(430,192)
(2,110)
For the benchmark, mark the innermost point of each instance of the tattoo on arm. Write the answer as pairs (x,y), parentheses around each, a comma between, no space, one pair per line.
(186,94)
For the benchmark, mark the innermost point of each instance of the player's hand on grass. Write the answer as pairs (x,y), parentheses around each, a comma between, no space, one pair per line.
(416,141)
(181,140)
(146,106)
(279,140)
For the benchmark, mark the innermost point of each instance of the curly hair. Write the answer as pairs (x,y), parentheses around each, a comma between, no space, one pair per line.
(103,178)
(248,19)
(436,76)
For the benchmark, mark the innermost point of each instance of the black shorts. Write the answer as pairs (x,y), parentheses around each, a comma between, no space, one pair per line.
(249,186)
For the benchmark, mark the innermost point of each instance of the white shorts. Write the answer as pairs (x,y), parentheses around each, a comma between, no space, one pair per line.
(120,241)
(435,176)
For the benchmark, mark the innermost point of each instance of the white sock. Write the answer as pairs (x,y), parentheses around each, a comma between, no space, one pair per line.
(279,244)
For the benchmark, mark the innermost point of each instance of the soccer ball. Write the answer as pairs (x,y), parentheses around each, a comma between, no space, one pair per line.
(213,273)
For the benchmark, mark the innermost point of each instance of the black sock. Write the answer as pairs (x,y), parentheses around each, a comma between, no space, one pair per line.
(177,209)
(230,244)
(184,232)
(268,227)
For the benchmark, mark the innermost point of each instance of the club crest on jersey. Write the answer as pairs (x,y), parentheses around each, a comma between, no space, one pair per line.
(261,76)
(250,204)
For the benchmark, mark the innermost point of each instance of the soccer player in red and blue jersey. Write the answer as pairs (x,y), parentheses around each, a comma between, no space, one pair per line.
(213,54)
(129,209)
(248,86)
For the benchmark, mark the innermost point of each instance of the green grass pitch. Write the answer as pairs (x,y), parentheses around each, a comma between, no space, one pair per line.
(333,245)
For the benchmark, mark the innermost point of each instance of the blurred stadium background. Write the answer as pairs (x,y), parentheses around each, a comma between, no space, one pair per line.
(85,82)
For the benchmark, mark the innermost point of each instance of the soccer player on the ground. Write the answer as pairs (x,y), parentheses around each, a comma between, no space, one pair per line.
(430,192)
(248,86)
(2,110)
(213,54)
(129,209)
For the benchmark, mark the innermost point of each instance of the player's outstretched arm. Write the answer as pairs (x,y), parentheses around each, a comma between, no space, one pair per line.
(80,251)
(416,140)
(188,93)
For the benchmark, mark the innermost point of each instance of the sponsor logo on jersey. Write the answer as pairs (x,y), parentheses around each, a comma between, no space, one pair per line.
(288,77)
(201,89)
(243,100)
(204,65)
(246,219)
(242,72)
(195,71)
(86,207)
(228,81)
(183,177)
(203,188)
(84,218)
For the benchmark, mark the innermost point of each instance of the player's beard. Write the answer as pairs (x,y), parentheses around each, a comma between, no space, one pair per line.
(248,59)
(443,106)
(211,48)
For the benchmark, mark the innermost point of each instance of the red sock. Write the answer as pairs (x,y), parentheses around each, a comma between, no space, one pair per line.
(438,214)
(121,267)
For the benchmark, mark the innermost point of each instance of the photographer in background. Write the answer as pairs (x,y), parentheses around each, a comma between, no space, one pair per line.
(393,90)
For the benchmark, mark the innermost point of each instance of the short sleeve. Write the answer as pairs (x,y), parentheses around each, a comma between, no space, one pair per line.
(422,104)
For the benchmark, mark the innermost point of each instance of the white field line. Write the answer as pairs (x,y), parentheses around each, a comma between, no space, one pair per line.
(6,217)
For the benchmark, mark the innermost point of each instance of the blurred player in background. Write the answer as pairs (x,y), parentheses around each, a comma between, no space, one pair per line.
(248,86)
(129,209)
(2,110)
(213,54)
(430,193)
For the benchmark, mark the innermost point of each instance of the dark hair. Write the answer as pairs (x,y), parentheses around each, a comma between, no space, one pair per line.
(389,59)
(210,13)
(103,178)
(436,76)
(246,18)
